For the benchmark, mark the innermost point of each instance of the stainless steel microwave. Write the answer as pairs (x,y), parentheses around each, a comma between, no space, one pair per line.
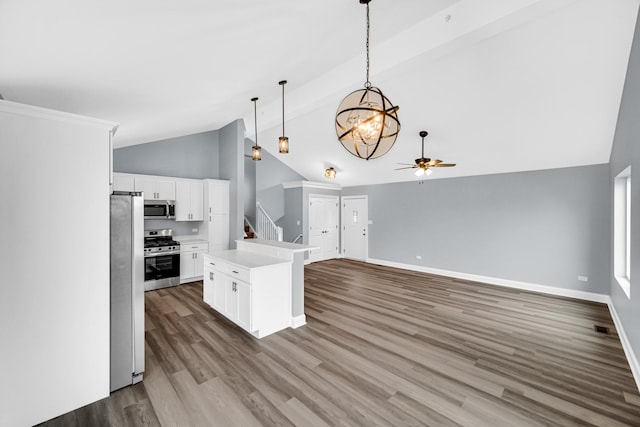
(159,209)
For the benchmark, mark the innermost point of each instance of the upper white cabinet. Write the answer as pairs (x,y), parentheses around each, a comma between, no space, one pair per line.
(216,203)
(218,197)
(156,187)
(123,182)
(189,200)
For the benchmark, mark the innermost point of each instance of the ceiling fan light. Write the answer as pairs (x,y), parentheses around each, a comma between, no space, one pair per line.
(419,172)
(428,172)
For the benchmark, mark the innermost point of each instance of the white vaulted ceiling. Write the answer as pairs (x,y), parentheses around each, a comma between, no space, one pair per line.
(501,85)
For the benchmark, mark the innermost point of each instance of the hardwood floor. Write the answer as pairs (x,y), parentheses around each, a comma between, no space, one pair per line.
(381,347)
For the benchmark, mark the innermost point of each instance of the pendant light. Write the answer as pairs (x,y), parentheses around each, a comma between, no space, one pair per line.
(367,122)
(256,149)
(283,141)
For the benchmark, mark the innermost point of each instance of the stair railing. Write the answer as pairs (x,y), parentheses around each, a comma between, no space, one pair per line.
(265,227)
(298,237)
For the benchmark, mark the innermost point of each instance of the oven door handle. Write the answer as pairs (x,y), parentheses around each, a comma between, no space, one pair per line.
(157,254)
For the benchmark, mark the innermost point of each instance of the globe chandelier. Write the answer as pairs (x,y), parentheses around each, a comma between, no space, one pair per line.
(367,123)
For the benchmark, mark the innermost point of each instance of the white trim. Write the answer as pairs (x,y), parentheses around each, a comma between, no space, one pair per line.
(311,184)
(545,289)
(298,321)
(45,113)
(626,345)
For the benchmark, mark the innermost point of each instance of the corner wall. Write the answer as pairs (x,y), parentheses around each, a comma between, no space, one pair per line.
(231,139)
(626,152)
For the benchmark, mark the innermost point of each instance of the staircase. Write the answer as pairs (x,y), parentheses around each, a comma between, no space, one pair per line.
(265,227)
(248,230)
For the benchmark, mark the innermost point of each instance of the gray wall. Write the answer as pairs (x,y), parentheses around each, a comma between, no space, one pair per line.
(293,214)
(543,227)
(192,156)
(231,139)
(270,174)
(626,152)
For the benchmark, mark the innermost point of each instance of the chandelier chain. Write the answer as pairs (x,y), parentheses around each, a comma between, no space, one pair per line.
(367,84)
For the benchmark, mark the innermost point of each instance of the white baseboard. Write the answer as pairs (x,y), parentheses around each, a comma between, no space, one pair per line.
(552,290)
(626,345)
(298,321)
(545,289)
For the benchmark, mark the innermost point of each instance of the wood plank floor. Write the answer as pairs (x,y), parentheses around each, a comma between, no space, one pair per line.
(381,347)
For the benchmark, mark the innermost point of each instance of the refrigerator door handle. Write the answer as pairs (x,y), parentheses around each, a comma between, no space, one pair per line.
(138,288)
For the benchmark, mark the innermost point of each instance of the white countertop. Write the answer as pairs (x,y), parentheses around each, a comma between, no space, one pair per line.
(293,247)
(246,259)
(188,240)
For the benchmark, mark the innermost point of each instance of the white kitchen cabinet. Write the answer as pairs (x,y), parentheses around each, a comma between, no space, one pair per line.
(251,290)
(189,200)
(156,187)
(216,203)
(123,182)
(191,262)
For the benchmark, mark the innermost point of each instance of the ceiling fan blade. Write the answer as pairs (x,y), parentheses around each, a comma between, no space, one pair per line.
(444,165)
(407,164)
(408,167)
(434,162)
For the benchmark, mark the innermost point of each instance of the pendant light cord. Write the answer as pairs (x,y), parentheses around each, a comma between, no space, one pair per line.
(367,84)
(255,118)
(283,110)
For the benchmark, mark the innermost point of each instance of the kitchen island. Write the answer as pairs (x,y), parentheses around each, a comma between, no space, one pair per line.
(250,289)
(292,252)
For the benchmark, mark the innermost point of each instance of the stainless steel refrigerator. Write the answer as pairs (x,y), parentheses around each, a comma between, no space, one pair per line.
(127,288)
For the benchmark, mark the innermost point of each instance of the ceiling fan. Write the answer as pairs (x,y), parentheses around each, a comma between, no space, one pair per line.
(423,164)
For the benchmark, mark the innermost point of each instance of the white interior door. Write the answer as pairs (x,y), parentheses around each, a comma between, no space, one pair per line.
(355,227)
(323,227)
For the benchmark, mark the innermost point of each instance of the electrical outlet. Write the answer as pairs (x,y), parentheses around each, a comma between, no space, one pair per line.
(418,256)
(298,222)
(194,230)
(583,278)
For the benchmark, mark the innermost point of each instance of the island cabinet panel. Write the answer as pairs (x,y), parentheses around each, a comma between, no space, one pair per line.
(251,290)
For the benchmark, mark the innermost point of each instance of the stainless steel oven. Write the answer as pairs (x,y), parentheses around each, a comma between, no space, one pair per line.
(161,260)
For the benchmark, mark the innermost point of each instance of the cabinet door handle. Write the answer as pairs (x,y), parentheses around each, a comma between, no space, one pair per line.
(234,272)
(212,263)
(234,287)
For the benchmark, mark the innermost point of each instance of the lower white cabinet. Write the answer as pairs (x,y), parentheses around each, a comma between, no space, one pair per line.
(191,263)
(253,291)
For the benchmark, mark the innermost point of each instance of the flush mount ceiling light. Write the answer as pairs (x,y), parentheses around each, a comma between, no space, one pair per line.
(423,164)
(256,149)
(283,141)
(330,173)
(367,122)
